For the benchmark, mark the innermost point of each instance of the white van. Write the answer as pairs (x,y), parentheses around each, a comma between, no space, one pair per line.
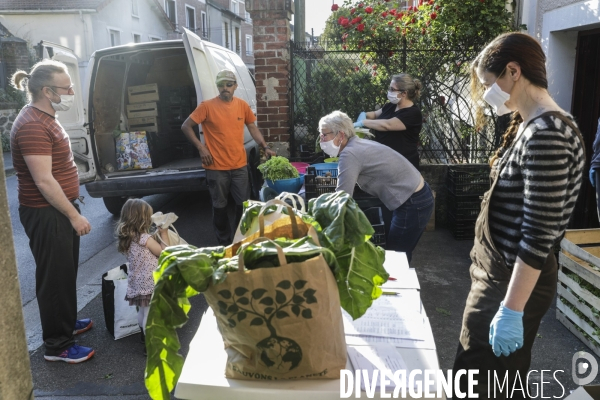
(185,73)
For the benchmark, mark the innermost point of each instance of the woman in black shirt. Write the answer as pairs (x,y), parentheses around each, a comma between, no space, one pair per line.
(398,123)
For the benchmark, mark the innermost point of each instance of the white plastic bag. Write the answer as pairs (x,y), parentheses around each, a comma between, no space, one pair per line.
(124,316)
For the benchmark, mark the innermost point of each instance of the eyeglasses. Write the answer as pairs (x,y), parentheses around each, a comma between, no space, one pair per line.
(391,89)
(230,84)
(323,135)
(68,89)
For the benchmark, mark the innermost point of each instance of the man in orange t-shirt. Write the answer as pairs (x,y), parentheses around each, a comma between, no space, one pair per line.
(224,156)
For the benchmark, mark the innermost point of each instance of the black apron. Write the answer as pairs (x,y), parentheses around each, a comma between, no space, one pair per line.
(489,283)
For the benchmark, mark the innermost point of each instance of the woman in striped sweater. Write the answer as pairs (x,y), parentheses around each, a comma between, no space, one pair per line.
(536,176)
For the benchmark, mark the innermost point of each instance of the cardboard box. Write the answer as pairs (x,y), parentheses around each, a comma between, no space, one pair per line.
(147,124)
(142,110)
(591,392)
(143,93)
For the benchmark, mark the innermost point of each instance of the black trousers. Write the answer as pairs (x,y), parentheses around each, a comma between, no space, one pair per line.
(474,350)
(55,247)
(222,184)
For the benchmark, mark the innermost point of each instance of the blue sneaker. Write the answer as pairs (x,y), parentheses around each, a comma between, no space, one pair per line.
(82,325)
(73,355)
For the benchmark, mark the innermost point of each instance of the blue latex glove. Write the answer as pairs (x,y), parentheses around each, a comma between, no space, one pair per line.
(593,177)
(358,124)
(506,331)
(361,116)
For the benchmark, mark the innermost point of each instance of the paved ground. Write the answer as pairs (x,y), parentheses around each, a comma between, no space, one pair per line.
(117,369)
(442,266)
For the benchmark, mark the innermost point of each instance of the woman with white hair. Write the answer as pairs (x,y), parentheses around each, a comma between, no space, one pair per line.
(382,172)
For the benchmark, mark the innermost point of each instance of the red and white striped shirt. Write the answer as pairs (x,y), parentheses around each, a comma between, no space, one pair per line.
(35,132)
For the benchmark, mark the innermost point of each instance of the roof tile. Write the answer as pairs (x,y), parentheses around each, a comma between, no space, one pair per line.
(31,5)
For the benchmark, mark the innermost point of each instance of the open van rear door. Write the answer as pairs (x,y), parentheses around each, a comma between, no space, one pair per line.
(74,119)
(204,70)
(206,60)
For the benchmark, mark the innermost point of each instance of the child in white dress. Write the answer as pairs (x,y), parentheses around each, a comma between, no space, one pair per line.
(142,252)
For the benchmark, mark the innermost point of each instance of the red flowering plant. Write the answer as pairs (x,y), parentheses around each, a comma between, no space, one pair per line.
(448,24)
(432,40)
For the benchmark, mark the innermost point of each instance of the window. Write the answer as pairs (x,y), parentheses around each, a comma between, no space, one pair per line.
(204,25)
(134,8)
(190,18)
(238,44)
(171,10)
(115,37)
(226,35)
(234,7)
(249,50)
(137,38)
(154,38)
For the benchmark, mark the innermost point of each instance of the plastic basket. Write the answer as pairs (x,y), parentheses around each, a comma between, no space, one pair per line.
(464,207)
(468,179)
(461,228)
(300,166)
(323,169)
(315,185)
(376,219)
(292,185)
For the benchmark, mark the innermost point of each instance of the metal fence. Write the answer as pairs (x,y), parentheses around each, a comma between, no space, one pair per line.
(326,78)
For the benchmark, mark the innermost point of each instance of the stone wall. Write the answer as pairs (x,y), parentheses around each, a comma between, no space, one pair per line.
(14,54)
(7,118)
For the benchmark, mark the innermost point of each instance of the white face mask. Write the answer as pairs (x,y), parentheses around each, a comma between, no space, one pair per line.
(66,102)
(496,98)
(393,97)
(330,148)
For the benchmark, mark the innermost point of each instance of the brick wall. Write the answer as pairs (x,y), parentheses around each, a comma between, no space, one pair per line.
(271,27)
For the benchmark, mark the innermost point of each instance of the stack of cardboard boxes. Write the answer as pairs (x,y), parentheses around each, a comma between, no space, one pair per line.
(132,147)
(143,115)
(142,111)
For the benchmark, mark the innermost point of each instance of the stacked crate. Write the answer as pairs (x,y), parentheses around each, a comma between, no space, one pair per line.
(322,178)
(578,287)
(466,185)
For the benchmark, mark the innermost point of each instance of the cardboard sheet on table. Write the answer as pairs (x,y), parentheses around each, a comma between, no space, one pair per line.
(406,279)
(426,344)
(382,357)
(404,301)
(395,262)
(408,326)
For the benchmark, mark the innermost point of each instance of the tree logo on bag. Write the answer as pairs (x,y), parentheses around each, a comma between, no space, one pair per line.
(276,352)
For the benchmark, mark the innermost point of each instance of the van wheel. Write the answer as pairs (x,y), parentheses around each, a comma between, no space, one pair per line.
(114,204)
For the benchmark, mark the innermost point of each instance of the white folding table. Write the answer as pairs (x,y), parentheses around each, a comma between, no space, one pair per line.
(203,375)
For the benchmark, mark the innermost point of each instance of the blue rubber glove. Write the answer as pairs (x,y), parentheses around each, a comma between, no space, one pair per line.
(358,124)
(361,116)
(506,331)
(593,177)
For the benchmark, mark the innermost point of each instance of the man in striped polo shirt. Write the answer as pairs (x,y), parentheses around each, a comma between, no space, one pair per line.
(48,186)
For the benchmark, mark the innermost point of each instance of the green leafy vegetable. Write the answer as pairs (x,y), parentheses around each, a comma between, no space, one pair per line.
(344,224)
(277,168)
(184,271)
